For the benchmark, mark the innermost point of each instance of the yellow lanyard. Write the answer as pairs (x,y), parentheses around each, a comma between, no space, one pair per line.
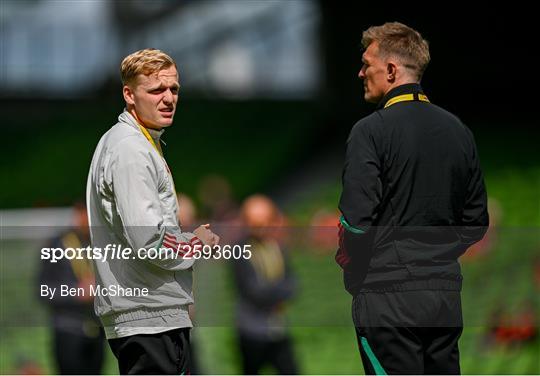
(81,267)
(406,98)
(158,148)
(150,139)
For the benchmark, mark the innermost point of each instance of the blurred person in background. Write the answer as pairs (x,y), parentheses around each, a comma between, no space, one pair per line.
(215,194)
(413,201)
(187,212)
(132,203)
(265,284)
(219,206)
(512,327)
(323,230)
(77,335)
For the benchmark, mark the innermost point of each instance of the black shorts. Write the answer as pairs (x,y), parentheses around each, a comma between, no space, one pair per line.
(166,353)
(409,332)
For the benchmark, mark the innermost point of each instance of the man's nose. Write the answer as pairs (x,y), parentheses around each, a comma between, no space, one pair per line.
(168,96)
(361,74)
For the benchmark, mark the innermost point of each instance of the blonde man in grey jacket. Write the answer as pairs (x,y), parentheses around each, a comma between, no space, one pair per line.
(142,295)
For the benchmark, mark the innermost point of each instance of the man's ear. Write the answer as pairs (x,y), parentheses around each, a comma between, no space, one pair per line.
(128,95)
(391,71)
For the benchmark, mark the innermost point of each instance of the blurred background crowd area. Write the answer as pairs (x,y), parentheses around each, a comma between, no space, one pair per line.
(269,93)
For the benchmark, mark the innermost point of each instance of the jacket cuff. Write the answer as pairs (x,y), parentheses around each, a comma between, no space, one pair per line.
(185,248)
(350,228)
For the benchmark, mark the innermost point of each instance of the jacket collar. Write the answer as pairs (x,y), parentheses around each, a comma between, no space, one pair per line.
(127,118)
(400,90)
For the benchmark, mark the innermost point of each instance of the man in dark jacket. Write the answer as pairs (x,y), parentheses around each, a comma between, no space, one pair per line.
(77,335)
(413,201)
(265,285)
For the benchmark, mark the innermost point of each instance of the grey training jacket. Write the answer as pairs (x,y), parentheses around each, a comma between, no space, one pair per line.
(132,203)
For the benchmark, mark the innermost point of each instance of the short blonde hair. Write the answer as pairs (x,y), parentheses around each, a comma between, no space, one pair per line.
(147,61)
(401,41)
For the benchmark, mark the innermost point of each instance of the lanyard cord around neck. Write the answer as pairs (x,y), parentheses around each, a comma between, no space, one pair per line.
(406,98)
(151,140)
(158,149)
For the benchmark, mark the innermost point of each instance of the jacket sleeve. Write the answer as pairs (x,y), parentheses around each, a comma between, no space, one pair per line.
(475,218)
(361,195)
(135,182)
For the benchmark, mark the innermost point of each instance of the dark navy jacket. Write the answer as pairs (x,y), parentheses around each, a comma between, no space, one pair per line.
(413,197)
